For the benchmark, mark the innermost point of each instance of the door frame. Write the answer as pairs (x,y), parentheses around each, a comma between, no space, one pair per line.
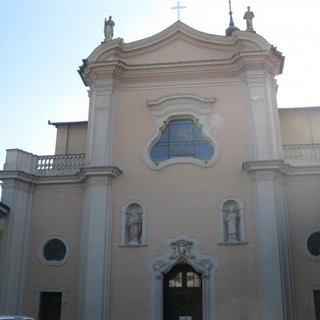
(182,249)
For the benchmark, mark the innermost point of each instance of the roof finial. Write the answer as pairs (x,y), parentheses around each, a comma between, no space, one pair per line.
(178,8)
(231,27)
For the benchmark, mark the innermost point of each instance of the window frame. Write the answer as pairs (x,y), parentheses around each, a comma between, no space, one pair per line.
(312,288)
(41,247)
(64,296)
(177,107)
(305,246)
(172,143)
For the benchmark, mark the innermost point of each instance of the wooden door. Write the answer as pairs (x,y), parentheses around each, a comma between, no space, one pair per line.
(182,293)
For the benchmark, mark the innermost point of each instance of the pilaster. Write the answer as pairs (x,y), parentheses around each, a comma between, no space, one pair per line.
(95,246)
(100,127)
(17,194)
(265,137)
(274,253)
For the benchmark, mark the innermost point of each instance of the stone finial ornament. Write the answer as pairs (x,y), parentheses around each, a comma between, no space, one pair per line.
(248,16)
(108,29)
(232,28)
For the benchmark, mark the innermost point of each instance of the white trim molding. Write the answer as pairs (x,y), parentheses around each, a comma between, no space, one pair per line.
(185,250)
(312,288)
(312,257)
(64,296)
(181,106)
(46,262)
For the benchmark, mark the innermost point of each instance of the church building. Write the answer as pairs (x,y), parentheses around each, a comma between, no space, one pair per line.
(186,195)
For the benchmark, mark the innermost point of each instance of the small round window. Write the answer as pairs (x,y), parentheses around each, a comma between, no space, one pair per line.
(54,251)
(312,244)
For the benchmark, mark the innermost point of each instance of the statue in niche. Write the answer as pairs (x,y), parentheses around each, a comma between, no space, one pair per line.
(248,16)
(232,224)
(134,227)
(108,29)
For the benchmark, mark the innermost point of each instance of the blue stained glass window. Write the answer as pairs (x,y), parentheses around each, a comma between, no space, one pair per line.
(181,138)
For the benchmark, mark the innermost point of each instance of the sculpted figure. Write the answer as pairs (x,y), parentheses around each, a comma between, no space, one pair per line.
(231,221)
(248,16)
(182,248)
(134,227)
(108,29)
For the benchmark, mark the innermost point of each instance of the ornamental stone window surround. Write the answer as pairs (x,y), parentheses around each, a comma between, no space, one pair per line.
(181,106)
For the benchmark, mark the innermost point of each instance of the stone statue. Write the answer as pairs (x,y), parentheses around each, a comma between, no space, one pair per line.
(134,228)
(108,29)
(232,221)
(182,248)
(248,16)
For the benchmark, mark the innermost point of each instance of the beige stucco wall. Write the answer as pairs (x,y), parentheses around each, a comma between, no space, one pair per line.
(71,138)
(303,209)
(183,198)
(180,198)
(300,125)
(55,213)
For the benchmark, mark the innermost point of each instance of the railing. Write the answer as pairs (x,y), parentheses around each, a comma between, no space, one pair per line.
(59,164)
(70,164)
(302,154)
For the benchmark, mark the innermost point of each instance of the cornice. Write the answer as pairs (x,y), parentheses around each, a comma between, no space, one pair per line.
(117,49)
(279,166)
(101,74)
(262,166)
(313,171)
(103,171)
(84,174)
(8,175)
(229,57)
(111,73)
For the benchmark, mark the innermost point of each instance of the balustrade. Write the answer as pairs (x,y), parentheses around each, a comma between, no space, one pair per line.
(304,154)
(70,164)
(59,164)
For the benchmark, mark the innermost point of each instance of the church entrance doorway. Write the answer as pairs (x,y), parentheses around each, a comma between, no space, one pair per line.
(182,294)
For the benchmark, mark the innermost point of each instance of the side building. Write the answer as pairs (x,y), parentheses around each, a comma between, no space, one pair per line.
(186,195)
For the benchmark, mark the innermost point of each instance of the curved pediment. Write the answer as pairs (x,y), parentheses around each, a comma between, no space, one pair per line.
(178,43)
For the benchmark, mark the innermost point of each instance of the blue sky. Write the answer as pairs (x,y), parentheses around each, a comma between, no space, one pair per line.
(43,43)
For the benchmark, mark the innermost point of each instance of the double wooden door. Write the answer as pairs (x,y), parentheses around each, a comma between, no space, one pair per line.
(182,291)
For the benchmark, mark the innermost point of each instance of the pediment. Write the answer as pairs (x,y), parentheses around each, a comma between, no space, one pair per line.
(178,43)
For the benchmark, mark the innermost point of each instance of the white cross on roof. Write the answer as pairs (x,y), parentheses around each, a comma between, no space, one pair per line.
(178,8)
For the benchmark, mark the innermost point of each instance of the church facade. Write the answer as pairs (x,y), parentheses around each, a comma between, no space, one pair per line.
(187,195)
